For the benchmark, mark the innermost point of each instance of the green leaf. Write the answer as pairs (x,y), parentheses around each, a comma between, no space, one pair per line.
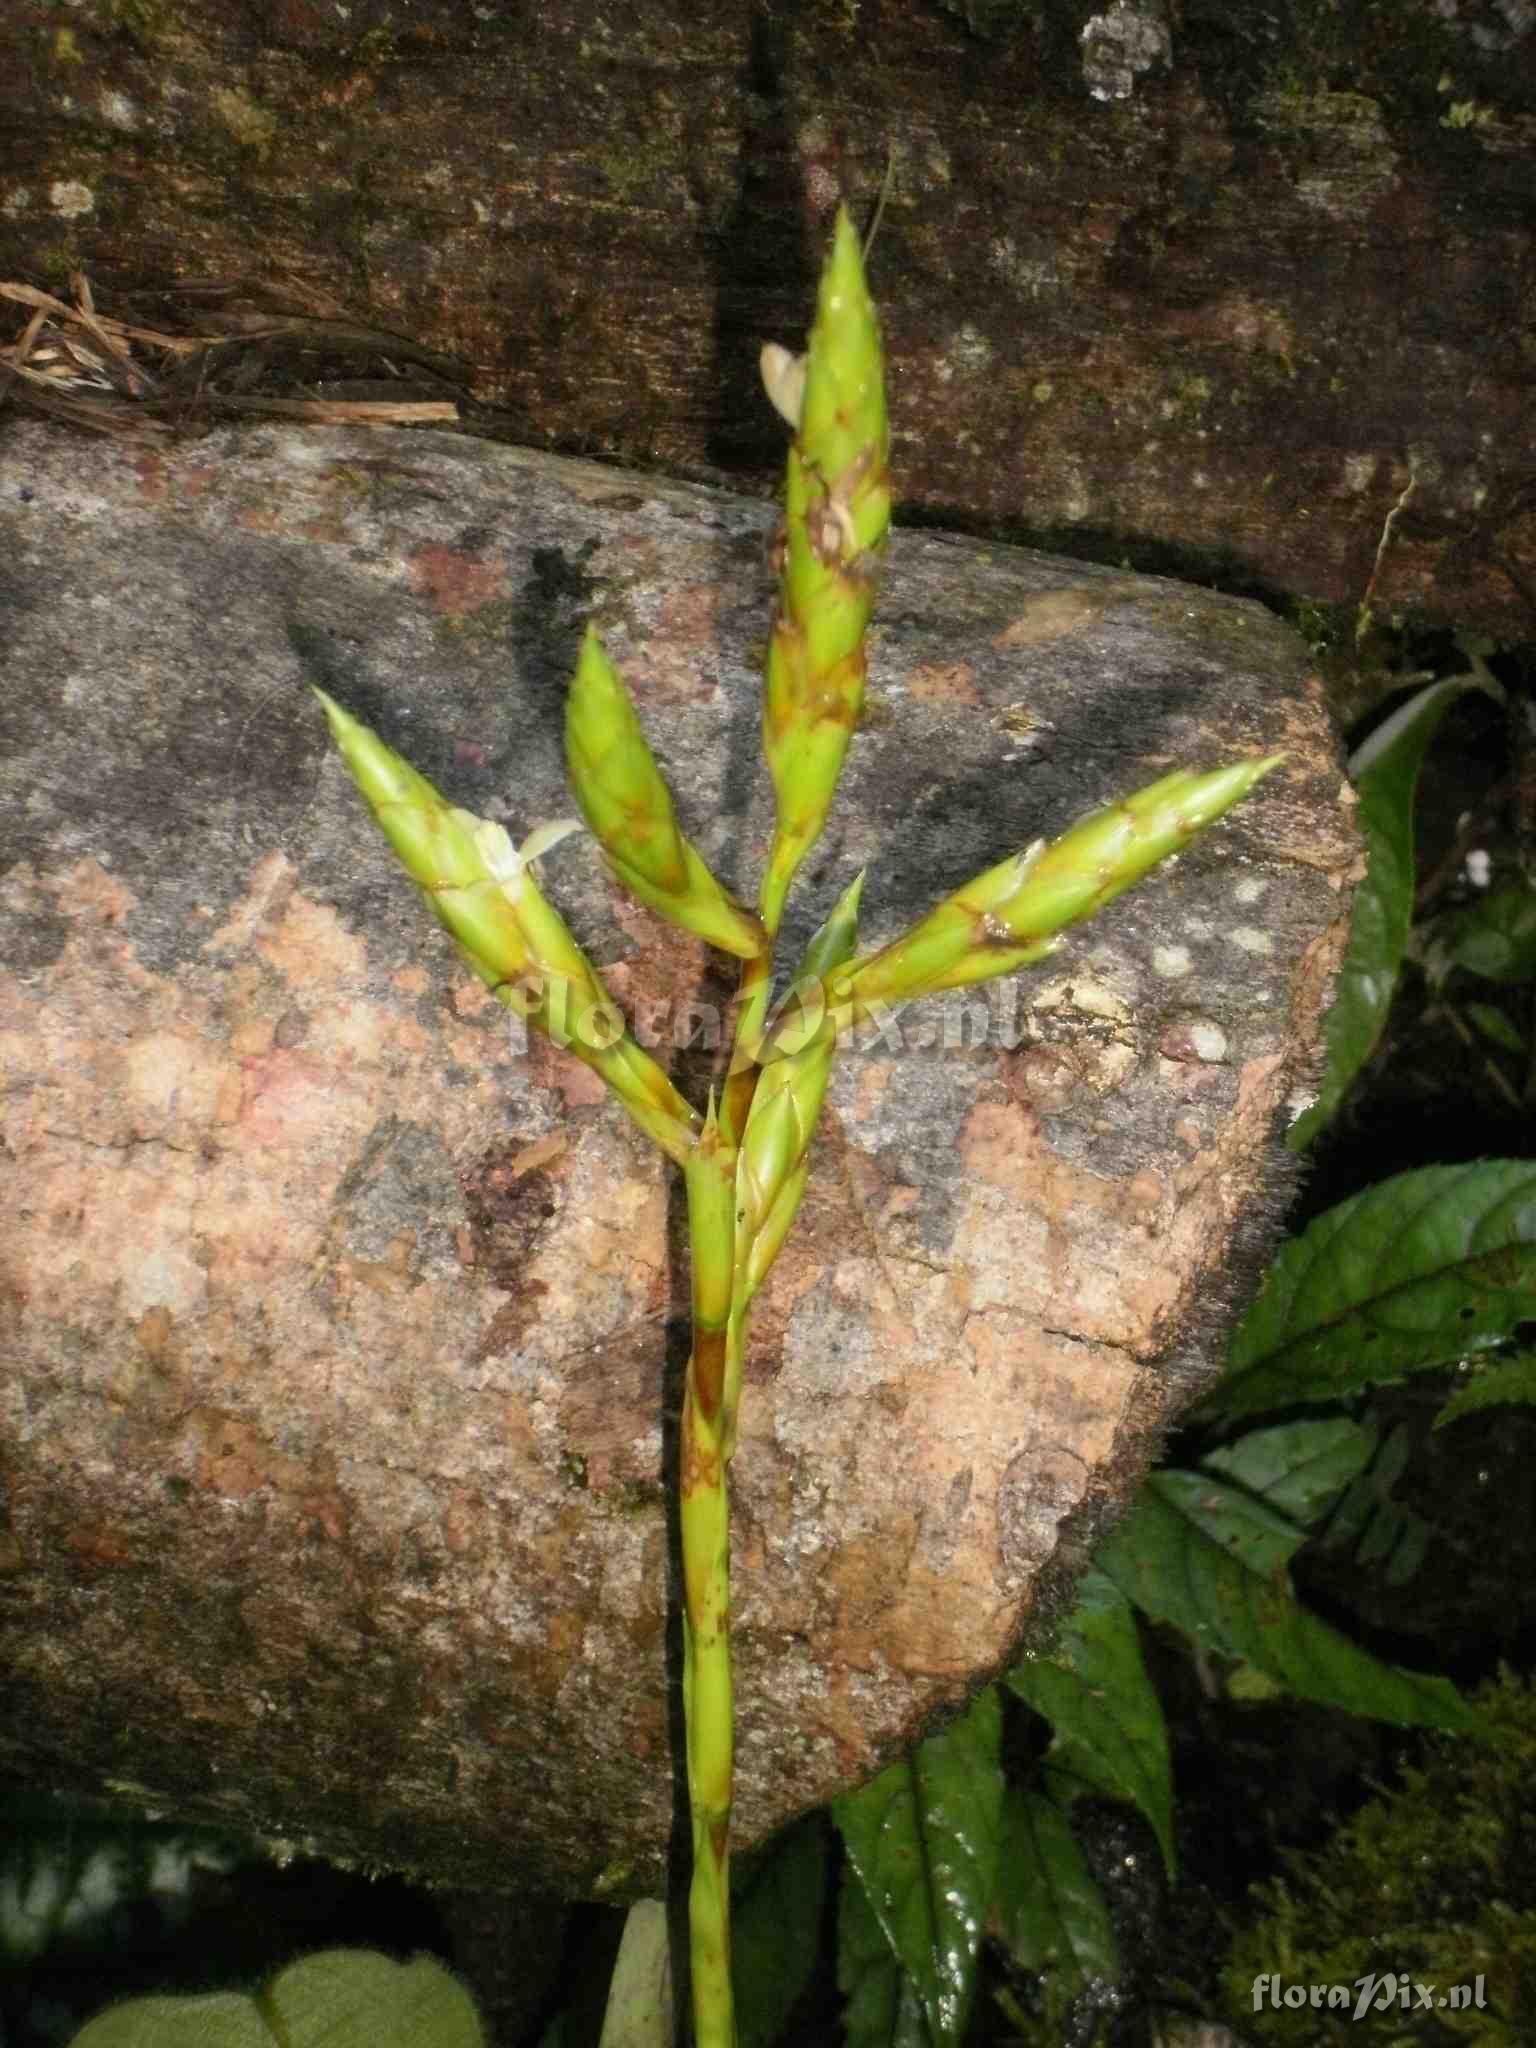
(353,1998)
(1494,937)
(1297,1467)
(1415,1272)
(1050,1911)
(1385,1535)
(1508,1380)
(226,2019)
(1211,1560)
(1386,770)
(881,2008)
(923,1838)
(1108,1721)
(343,1998)
(776,1928)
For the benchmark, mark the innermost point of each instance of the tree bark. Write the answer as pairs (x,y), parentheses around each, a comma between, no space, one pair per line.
(1213,291)
(344,1326)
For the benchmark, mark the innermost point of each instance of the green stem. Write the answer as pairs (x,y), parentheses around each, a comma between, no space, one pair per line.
(704,1516)
(708,1711)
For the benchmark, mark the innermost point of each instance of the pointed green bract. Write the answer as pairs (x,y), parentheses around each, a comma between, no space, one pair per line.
(481,889)
(790,1091)
(433,839)
(835,940)
(614,776)
(843,429)
(477,885)
(625,800)
(711,1177)
(837,513)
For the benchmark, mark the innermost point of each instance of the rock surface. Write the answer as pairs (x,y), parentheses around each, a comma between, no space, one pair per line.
(1225,289)
(344,1327)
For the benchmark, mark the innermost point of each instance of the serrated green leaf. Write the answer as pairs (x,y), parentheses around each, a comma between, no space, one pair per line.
(1414,1272)
(1255,1536)
(1494,937)
(923,1838)
(1204,1556)
(1109,1728)
(1507,1381)
(775,1929)
(1387,777)
(1298,1468)
(1051,1913)
(881,2008)
(225,2019)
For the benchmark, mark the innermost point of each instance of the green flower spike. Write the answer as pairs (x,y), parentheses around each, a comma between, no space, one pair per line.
(1008,916)
(837,513)
(481,889)
(626,802)
(746,1162)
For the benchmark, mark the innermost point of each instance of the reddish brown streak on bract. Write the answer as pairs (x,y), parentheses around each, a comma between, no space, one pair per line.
(697,1468)
(707,1370)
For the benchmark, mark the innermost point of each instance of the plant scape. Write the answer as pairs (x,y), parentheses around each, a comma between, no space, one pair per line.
(746,1156)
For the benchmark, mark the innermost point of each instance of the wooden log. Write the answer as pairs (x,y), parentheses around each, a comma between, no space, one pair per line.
(344,1325)
(1216,294)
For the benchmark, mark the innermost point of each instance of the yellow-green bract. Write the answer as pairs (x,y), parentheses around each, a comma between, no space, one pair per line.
(1009,916)
(837,513)
(625,799)
(481,889)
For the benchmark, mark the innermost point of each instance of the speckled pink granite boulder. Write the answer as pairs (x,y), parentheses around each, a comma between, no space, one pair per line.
(342,1328)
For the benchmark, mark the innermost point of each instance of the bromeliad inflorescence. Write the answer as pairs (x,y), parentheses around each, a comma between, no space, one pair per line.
(746,1158)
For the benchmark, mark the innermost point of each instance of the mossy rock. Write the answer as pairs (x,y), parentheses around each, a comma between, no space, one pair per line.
(1429,1887)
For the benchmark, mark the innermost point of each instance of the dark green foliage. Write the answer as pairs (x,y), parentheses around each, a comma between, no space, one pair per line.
(1501,1382)
(776,1911)
(1382,912)
(1415,1272)
(1382,1534)
(1110,1736)
(923,1839)
(1212,1561)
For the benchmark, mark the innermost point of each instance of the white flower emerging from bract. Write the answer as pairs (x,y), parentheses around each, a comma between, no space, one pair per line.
(783,374)
(509,863)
